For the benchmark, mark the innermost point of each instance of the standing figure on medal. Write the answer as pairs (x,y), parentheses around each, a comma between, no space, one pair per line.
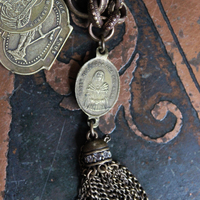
(16,14)
(25,40)
(96,97)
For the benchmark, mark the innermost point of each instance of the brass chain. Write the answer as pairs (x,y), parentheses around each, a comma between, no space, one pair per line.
(113,181)
(103,14)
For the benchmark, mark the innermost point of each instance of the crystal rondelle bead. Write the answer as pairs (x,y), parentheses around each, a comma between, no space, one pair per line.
(107,154)
(89,159)
(98,156)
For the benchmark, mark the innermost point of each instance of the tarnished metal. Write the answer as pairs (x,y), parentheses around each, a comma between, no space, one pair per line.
(102,7)
(97,90)
(94,13)
(21,16)
(92,134)
(97,86)
(102,45)
(102,178)
(99,39)
(105,15)
(28,52)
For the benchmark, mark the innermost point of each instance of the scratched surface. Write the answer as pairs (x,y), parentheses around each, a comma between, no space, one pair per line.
(154,126)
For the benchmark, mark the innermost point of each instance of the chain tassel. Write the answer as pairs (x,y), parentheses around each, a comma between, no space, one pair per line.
(104,179)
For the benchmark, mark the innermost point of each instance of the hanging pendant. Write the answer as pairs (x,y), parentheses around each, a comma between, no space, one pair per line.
(97,89)
(104,179)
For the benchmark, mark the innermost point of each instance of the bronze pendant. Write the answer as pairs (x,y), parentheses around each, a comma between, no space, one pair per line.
(104,179)
(97,89)
(97,86)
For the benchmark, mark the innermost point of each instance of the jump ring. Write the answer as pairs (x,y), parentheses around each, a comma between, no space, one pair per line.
(97,39)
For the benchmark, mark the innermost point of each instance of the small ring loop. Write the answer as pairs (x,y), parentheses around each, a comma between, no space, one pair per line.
(95,38)
(102,171)
(91,173)
(88,136)
(107,138)
(114,165)
(91,133)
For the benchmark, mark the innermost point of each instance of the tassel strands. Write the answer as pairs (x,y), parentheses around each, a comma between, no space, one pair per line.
(104,179)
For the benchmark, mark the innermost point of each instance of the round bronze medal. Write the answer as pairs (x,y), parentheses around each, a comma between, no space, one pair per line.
(18,16)
(97,86)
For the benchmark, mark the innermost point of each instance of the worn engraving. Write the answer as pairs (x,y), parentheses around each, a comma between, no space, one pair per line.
(28,52)
(23,15)
(97,87)
(96,97)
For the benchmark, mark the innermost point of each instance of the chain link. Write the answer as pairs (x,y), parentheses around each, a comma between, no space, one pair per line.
(103,14)
(91,133)
(110,181)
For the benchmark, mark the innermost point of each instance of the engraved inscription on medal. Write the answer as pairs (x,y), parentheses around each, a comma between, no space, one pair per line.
(97,87)
(29,47)
(22,15)
(36,49)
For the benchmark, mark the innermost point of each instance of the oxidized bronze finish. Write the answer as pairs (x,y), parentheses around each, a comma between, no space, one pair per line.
(95,152)
(97,90)
(104,14)
(102,178)
(28,52)
(18,16)
(97,86)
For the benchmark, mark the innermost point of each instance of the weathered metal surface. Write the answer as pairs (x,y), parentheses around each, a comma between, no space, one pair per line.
(6,88)
(97,86)
(155,127)
(27,53)
(23,16)
(182,43)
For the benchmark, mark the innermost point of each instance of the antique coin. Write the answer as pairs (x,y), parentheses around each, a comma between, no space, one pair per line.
(97,86)
(18,16)
(28,52)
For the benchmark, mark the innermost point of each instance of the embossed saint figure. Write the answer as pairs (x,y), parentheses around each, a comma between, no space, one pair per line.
(24,41)
(16,13)
(96,97)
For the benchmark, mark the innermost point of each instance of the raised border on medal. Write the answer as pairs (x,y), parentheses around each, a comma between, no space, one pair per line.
(48,60)
(99,105)
(39,20)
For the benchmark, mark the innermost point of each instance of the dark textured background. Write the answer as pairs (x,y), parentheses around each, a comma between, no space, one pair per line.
(45,139)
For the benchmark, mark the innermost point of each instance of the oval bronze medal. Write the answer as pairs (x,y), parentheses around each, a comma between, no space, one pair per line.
(97,86)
